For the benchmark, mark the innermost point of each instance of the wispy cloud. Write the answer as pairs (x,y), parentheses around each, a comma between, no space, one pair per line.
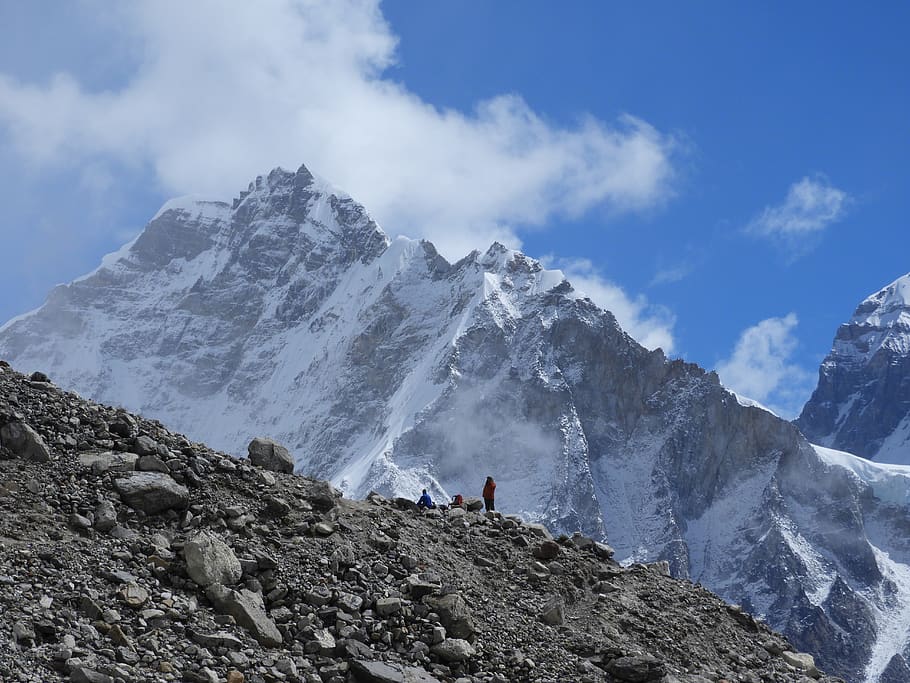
(811,205)
(649,324)
(672,274)
(761,367)
(209,97)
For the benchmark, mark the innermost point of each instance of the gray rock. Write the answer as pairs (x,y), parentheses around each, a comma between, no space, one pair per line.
(637,669)
(324,528)
(473,504)
(133,595)
(802,661)
(151,492)
(323,643)
(553,611)
(24,442)
(603,551)
(453,650)
(123,425)
(323,495)
(249,611)
(152,463)
(546,550)
(270,455)
(83,674)
(145,445)
(454,613)
(540,531)
(216,640)
(386,672)
(210,560)
(105,516)
(110,461)
(387,606)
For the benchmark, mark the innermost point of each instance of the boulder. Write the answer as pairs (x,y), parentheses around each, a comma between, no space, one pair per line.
(269,455)
(323,496)
(603,551)
(553,611)
(145,445)
(801,661)
(323,643)
(105,516)
(151,492)
(453,650)
(210,560)
(636,669)
(123,425)
(152,463)
(540,531)
(109,461)
(387,606)
(454,613)
(82,674)
(473,504)
(24,442)
(546,550)
(405,504)
(387,672)
(215,640)
(248,610)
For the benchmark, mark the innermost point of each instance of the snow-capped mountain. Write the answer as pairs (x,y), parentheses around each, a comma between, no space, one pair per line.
(862,402)
(382,366)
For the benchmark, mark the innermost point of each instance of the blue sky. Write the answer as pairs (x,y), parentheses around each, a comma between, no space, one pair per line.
(730,178)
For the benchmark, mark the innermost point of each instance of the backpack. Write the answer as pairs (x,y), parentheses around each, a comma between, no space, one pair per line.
(458,500)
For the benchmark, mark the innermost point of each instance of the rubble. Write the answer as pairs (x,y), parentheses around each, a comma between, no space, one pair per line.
(218,570)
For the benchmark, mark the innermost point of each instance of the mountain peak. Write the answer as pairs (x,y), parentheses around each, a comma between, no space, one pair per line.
(862,401)
(893,300)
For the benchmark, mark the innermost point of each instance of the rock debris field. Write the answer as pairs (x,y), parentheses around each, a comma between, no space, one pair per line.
(128,553)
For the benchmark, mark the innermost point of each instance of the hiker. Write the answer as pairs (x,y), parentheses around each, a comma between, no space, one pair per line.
(489,491)
(425,502)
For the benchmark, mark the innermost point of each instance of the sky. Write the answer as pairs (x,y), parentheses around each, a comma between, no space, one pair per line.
(730,179)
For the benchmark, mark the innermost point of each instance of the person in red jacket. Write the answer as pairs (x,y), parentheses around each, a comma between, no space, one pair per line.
(489,491)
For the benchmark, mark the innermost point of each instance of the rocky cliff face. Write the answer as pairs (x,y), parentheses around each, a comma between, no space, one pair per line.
(384,367)
(129,553)
(862,402)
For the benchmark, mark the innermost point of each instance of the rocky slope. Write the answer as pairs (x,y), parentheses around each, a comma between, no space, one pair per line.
(290,314)
(862,402)
(129,553)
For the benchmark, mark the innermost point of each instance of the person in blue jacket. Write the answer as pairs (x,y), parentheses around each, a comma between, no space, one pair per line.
(425,502)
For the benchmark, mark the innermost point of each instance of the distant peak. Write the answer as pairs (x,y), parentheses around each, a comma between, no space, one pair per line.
(891,298)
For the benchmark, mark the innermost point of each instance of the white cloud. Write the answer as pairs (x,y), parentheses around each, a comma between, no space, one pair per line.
(212,95)
(811,205)
(649,324)
(761,368)
(672,274)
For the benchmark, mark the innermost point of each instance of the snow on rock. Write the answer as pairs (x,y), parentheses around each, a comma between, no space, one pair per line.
(862,401)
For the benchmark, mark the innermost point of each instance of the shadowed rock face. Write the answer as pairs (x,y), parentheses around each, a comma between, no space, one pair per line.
(381,366)
(862,402)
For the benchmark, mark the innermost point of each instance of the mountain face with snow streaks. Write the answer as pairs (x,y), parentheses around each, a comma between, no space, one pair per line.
(382,366)
(862,401)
